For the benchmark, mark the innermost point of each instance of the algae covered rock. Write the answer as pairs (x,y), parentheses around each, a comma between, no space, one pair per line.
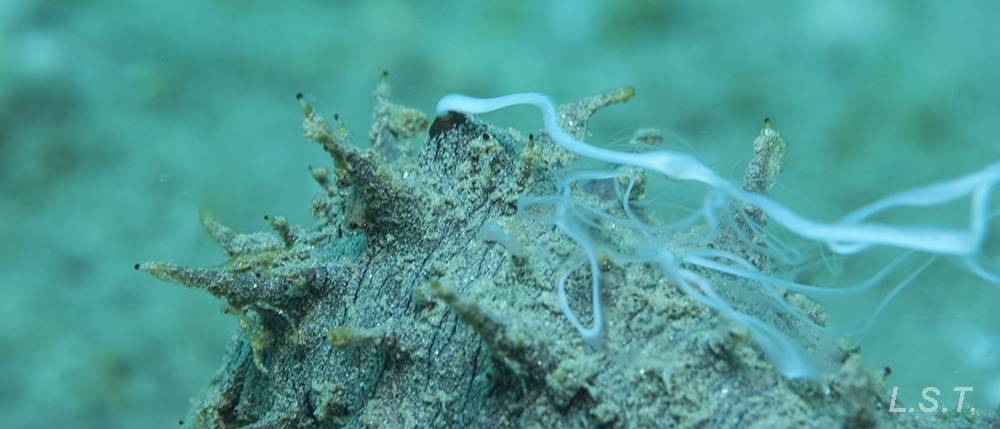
(393,311)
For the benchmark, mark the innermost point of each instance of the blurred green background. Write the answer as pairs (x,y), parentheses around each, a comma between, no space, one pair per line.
(118,119)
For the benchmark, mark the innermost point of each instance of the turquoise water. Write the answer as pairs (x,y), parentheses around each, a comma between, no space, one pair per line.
(120,119)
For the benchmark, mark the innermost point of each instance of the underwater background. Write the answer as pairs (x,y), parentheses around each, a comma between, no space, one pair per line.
(118,120)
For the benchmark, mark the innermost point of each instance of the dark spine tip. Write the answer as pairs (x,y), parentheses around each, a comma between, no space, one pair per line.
(336,116)
(137,266)
(299,96)
(385,73)
(266,217)
(486,136)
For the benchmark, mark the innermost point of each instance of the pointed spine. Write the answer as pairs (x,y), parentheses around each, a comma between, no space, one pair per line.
(513,347)
(379,203)
(238,289)
(767,162)
(232,242)
(225,236)
(392,123)
(573,117)
(280,226)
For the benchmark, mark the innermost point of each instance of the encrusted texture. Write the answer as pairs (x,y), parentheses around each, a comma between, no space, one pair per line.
(391,312)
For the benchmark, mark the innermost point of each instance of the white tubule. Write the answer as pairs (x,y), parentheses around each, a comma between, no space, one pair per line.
(849,235)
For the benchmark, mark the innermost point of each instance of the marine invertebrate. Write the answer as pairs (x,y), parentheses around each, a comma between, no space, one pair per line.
(852,234)
(849,235)
(391,312)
